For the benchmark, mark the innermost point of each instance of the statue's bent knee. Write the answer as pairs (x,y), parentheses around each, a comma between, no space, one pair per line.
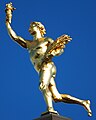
(43,87)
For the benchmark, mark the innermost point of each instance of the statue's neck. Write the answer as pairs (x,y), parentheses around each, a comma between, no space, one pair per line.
(37,36)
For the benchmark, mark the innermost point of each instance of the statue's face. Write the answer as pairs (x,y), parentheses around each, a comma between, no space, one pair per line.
(35,27)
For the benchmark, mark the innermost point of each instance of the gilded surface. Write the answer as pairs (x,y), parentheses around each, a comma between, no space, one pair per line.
(42,50)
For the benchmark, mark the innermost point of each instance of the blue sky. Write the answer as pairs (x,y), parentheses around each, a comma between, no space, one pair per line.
(20,98)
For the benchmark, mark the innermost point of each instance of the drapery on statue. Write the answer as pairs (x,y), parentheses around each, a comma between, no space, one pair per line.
(42,50)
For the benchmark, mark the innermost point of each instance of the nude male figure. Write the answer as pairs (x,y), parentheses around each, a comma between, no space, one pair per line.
(41,50)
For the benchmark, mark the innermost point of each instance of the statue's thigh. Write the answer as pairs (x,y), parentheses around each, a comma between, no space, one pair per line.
(46,74)
(52,82)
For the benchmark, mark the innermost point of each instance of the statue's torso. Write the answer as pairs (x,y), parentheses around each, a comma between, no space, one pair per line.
(37,52)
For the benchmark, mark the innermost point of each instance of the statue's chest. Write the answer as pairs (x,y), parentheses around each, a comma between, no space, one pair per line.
(37,45)
(38,49)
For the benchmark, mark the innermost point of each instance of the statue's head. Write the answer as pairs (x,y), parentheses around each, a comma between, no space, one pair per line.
(35,26)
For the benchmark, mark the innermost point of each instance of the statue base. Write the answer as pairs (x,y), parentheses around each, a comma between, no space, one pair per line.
(51,116)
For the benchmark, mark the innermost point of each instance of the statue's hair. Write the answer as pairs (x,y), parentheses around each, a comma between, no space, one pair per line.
(40,26)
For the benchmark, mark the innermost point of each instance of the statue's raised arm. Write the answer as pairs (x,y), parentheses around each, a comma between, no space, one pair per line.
(9,9)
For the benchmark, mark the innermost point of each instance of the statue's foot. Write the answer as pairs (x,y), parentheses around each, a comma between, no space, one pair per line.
(50,111)
(86,104)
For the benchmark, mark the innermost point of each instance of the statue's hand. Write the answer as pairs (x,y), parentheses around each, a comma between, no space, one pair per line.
(9,9)
(9,6)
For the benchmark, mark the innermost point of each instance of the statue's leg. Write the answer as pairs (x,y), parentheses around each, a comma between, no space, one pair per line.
(72,100)
(55,94)
(45,76)
(57,97)
(52,86)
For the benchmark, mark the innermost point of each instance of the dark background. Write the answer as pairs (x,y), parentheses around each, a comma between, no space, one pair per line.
(20,98)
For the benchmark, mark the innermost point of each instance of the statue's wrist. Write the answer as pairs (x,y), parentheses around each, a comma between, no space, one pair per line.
(7,21)
(8,11)
(8,18)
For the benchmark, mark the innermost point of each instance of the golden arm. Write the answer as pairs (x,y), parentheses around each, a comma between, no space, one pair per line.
(24,43)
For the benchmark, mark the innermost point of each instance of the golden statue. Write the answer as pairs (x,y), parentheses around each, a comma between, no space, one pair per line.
(42,50)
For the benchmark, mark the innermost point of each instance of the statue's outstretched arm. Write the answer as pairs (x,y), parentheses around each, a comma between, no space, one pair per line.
(24,43)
